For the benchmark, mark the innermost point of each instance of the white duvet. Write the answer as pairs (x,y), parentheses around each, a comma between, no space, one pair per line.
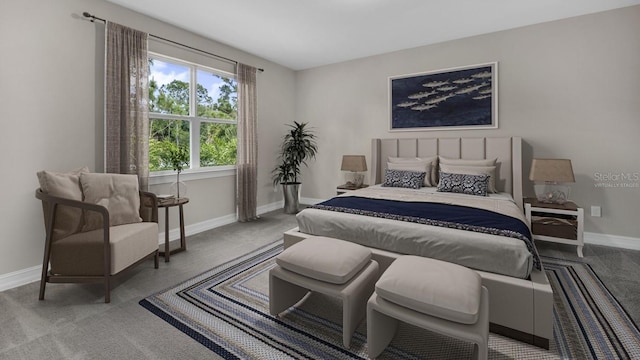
(486,252)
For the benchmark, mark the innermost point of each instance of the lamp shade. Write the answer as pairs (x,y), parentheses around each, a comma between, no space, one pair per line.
(552,170)
(353,163)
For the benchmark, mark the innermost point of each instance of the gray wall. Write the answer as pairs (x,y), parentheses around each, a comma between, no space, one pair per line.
(569,88)
(51,113)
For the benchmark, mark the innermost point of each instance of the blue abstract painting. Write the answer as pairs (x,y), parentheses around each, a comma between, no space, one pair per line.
(460,98)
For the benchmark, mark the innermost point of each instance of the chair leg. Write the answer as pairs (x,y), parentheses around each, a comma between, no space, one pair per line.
(156,258)
(47,254)
(43,283)
(45,269)
(107,290)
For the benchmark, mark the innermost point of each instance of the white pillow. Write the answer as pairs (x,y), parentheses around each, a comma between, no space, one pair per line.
(433,160)
(468,162)
(417,166)
(473,170)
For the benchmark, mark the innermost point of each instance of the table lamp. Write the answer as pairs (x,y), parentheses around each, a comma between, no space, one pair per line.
(551,176)
(356,164)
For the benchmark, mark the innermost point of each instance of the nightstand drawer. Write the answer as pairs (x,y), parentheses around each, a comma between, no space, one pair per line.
(561,228)
(341,189)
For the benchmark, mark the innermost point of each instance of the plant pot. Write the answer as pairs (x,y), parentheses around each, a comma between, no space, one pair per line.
(291,202)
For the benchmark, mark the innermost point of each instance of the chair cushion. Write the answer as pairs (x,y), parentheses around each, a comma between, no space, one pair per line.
(65,185)
(325,259)
(117,192)
(432,287)
(82,253)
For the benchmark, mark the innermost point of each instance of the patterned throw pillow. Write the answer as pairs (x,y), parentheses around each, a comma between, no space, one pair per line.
(464,183)
(473,170)
(414,166)
(404,179)
(431,177)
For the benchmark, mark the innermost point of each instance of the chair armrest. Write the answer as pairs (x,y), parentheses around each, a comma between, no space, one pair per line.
(50,206)
(148,206)
(53,201)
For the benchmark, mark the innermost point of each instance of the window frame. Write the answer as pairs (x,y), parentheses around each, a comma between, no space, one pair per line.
(195,171)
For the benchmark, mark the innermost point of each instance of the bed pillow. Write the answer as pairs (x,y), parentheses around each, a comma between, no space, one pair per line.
(473,170)
(433,160)
(421,166)
(468,162)
(463,183)
(403,179)
(117,192)
(64,185)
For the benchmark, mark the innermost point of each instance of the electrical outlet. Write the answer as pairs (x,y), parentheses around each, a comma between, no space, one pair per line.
(596,211)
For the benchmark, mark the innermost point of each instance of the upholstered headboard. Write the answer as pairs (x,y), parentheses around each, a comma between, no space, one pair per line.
(508,151)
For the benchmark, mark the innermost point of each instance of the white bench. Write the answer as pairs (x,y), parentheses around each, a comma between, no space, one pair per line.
(435,295)
(328,266)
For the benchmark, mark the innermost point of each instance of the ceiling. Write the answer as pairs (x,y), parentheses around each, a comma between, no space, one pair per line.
(302,34)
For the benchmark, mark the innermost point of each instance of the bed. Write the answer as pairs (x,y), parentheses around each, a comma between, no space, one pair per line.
(521,302)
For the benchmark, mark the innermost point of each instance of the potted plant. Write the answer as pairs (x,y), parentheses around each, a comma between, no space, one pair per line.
(178,158)
(298,145)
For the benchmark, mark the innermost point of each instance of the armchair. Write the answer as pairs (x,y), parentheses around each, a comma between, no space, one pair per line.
(97,226)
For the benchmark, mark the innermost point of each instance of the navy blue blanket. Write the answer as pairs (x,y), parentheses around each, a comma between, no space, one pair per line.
(436,214)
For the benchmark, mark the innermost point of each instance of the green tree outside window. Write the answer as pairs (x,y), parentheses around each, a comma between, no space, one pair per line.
(218,140)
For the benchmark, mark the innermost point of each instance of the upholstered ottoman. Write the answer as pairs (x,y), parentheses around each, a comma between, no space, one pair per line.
(435,295)
(328,266)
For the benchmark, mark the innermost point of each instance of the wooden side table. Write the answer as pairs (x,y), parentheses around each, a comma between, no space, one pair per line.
(559,223)
(166,204)
(341,189)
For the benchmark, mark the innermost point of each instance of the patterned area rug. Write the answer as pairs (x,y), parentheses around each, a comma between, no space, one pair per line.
(226,310)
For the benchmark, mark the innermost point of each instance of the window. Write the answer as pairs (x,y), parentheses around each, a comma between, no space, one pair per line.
(194,108)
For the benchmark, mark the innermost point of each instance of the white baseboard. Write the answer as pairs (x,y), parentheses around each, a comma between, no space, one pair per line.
(20,277)
(624,242)
(174,234)
(32,274)
(29,275)
(311,201)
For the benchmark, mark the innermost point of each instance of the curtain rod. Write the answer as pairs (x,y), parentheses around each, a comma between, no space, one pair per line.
(93,18)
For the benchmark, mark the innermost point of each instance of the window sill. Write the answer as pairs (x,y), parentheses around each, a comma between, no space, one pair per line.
(168,177)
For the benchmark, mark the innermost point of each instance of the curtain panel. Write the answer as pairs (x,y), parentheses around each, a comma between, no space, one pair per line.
(247,153)
(127,102)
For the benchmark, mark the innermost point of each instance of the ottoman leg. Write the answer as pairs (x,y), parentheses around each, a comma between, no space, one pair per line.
(380,329)
(481,348)
(354,302)
(282,294)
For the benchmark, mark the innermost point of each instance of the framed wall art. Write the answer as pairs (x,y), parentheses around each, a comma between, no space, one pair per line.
(450,99)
